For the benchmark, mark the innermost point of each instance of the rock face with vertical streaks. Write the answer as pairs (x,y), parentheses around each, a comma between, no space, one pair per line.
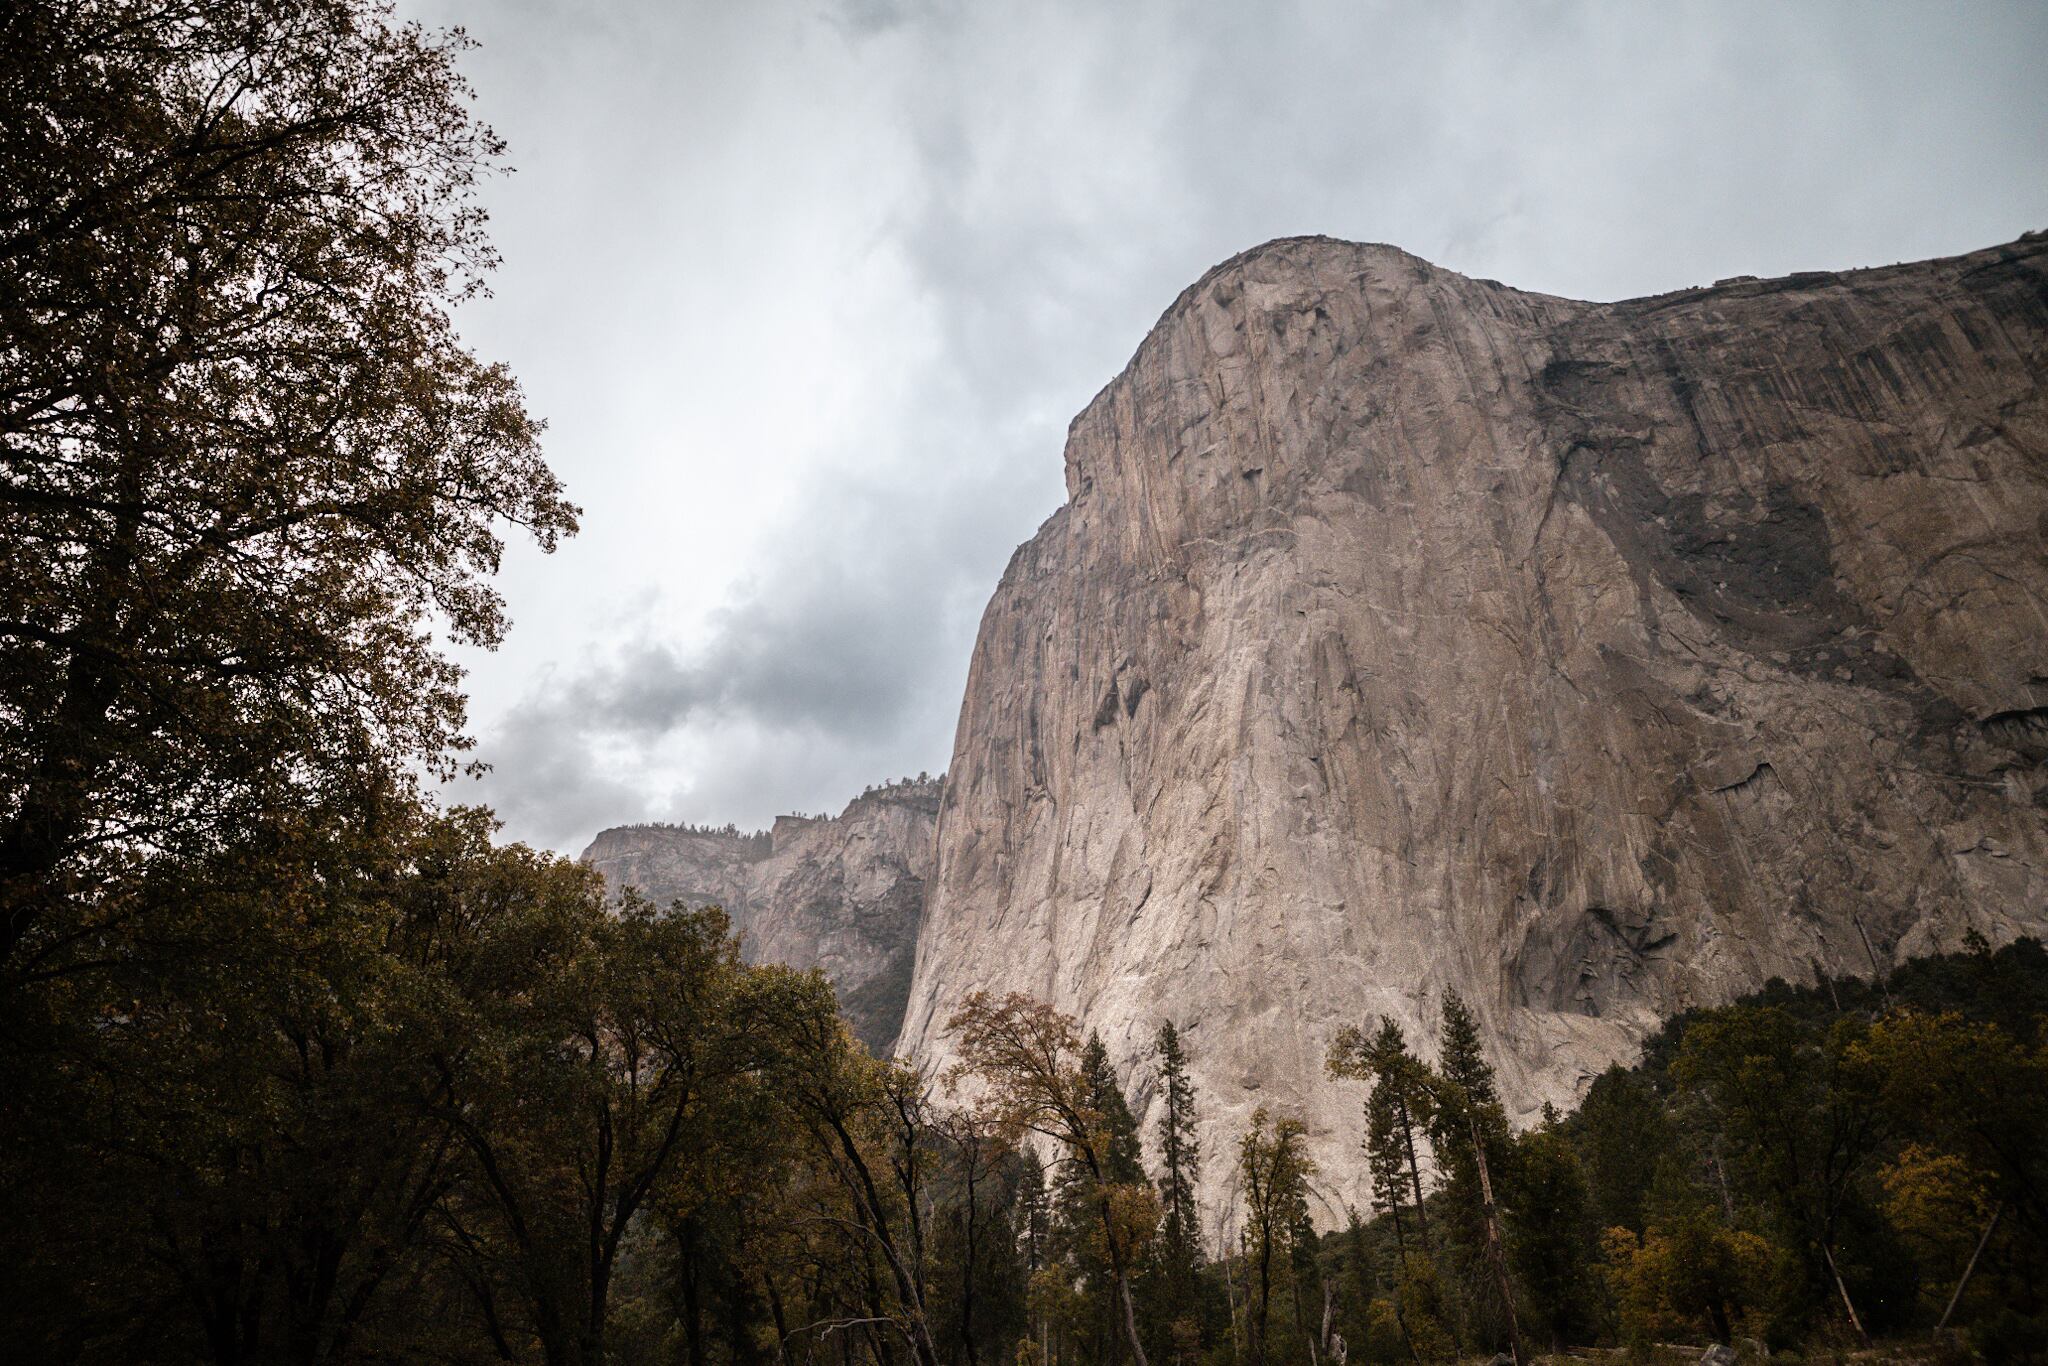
(841,893)
(1405,633)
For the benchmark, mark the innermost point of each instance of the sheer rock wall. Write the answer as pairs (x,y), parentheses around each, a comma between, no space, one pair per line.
(1404,632)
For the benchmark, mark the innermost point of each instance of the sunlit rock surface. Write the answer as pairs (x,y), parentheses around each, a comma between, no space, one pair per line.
(840,893)
(1405,632)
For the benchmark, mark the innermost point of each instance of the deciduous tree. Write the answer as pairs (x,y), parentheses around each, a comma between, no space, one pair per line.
(247,470)
(1273,1170)
(1027,1058)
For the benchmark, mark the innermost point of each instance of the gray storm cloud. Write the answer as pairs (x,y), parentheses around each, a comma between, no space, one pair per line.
(809,294)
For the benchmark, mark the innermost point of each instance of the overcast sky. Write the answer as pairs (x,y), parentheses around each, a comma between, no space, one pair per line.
(808,292)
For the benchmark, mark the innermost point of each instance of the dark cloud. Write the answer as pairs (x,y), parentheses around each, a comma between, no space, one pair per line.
(838,665)
(812,295)
(546,784)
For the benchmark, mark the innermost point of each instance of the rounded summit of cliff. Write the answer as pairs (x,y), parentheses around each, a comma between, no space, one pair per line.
(1405,633)
(1308,255)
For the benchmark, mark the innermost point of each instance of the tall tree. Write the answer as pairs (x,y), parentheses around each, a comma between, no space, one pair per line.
(247,470)
(1797,1122)
(1385,1157)
(1273,1168)
(1078,1229)
(1550,1233)
(977,1239)
(1974,1101)
(577,1088)
(1179,1152)
(1034,1232)
(1180,1243)
(1469,1130)
(1621,1123)
(856,1110)
(1027,1058)
(1122,1152)
(1400,1105)
(1359,1286)
(1313,1293)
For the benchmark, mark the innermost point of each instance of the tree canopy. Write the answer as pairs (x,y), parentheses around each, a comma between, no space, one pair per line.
(248,471)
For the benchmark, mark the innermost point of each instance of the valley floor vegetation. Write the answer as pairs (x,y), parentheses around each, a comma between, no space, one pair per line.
(297,1066)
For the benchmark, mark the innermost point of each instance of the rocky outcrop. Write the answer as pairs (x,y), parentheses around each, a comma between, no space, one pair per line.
(1404,633)
(840,893)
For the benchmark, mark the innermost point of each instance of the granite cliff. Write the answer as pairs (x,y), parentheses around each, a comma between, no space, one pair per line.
(1404,632)
(842,893)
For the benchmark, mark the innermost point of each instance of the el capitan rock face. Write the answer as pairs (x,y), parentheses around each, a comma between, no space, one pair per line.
(1404,632)
(840,893)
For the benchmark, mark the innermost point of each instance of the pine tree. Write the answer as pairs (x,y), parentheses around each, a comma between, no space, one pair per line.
(1360,1287)
(1470,1134)
(1034,1232)
(1120,1129)
(1305,1272)
(1464,1063)
(1180,1151)
(1384,1158)
(1116,1141)
(1401,1102)
(1550,1232)
(1032,1214)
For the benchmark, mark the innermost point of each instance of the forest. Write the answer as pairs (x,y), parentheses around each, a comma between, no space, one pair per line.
(300,1064)
(423,1097)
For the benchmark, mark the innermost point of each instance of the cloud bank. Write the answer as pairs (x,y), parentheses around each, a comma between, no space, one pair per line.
(809,294)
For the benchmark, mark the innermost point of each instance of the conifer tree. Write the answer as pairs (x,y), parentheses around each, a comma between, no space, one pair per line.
(1311,1294)
(1075,1204)
(1034,1232)
(1180,1151)
(1360,1286)
(1384,1159)
(1550,1232)
(1401,1103)
(1470,1134)
(1120,1127)
(1031,1210)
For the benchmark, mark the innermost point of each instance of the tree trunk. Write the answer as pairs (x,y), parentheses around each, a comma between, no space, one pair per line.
(1855,1320)
(1401,1322)
(693,1303)
(52,813)
(967,1279)
(1262,1315)
(1970,1269)
(1727,1196)
(1230,1296)
(1315,1355)
(875,1217)
(1123,1285)
(1494,1251)
(781,1322)
(1415,1175)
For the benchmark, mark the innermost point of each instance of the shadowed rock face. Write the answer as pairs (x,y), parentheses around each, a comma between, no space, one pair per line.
(1404,632)
(840,893)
